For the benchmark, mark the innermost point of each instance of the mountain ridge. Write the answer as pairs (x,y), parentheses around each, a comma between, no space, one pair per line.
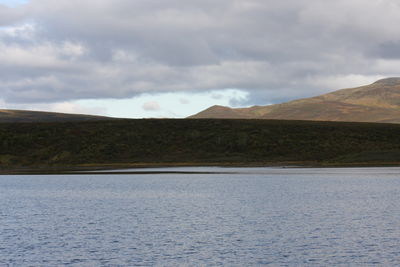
(377,102)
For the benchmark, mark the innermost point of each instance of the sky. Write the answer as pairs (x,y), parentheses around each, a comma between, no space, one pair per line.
(174,58)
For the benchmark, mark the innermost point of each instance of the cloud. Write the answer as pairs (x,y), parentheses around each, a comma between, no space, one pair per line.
(184,101)
(66,50)
(63,107)
(151,106)
(10,15)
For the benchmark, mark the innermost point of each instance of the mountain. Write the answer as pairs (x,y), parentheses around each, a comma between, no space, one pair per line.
(7,115)
(377,102)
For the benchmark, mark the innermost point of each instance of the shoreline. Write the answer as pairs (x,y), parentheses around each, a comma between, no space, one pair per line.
(117,168)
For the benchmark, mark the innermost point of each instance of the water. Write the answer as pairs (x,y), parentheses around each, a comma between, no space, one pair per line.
(241,217)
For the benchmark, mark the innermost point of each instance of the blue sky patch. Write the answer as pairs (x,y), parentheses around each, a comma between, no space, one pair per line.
(13,3)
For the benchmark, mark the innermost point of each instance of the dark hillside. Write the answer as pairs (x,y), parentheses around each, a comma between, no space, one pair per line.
(8,115)
(214,141)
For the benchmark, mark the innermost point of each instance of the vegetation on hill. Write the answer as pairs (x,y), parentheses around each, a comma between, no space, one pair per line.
(377,102)
(9,115)
(207,141)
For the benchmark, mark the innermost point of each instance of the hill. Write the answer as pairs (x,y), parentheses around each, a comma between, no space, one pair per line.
(196,142)
(377,102)
(7,115)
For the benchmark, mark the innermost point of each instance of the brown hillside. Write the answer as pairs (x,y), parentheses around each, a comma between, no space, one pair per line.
(377,102)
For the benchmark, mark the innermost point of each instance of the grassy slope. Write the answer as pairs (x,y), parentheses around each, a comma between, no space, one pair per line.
(377,102)
(209,141)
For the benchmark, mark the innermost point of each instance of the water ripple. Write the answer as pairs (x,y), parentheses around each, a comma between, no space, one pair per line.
(252,217)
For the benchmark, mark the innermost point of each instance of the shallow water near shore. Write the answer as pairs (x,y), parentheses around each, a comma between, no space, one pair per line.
(202,216)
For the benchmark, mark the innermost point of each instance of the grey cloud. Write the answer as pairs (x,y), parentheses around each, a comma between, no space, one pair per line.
(10,15)
(184,101)
(388,50)
(275,50)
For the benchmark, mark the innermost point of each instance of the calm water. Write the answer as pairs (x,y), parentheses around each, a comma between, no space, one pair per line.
(244,217)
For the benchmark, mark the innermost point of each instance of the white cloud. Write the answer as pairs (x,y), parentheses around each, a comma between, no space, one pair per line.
(71,107)
(73,50)
(19,32)
(63,107)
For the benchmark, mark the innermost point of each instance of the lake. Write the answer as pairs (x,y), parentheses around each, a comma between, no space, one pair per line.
(202,217)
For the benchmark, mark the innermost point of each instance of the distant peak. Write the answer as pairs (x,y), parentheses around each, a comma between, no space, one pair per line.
(389,81)
(218,107)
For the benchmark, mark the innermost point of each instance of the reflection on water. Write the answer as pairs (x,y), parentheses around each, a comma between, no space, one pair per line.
(243,217)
